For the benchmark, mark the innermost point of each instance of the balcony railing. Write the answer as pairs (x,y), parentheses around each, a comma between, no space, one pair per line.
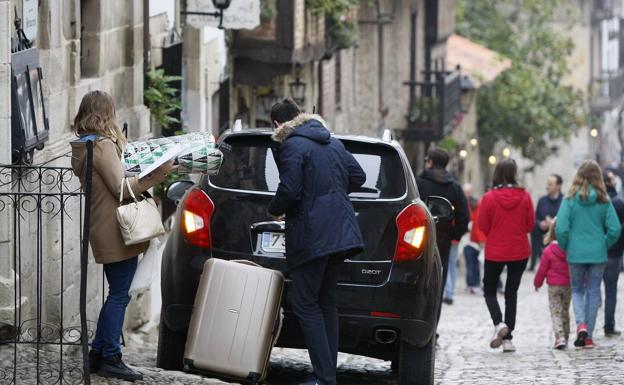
(435,105)
(606,9)
(608,91)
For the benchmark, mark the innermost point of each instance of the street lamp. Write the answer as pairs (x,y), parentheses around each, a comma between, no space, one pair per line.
(474,142)
(463,154)
(468,92)
(221,5)
(506,152)
(269,100)
(492,160)
(298,90)
(593,133)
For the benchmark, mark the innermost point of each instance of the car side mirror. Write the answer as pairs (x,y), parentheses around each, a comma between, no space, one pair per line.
(440,208)
(176,190)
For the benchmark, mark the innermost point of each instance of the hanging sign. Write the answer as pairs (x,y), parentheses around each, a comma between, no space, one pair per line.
(29,18)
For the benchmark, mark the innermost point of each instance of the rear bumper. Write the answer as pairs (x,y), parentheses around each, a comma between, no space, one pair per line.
(357,332)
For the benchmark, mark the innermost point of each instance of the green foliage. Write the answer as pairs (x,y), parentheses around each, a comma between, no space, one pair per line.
(268,10)
(343,31)
(332,8)
(448,144)
(528,105)
(161,98)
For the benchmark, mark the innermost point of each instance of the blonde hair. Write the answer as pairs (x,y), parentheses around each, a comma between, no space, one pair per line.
(96,115)
(588,174)
(551,235)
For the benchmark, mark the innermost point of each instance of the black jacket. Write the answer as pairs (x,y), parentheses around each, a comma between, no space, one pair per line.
(439,182)
(316,175)
(546,206)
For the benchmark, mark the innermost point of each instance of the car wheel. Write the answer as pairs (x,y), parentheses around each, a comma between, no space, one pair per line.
(416,365)
(171,345)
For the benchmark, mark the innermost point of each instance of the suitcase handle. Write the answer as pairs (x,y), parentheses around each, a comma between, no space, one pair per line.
(245,262)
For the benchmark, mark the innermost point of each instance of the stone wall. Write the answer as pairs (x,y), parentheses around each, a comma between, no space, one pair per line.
(109,57)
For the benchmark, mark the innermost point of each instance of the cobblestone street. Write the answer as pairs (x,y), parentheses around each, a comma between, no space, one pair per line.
(463,356)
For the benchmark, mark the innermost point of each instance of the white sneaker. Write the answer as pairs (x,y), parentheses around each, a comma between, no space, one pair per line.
(500,331)
(508,346)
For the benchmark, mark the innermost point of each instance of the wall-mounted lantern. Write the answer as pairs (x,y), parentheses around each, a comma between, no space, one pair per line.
(468,93)
(268,100)
(298,90)
(221,5)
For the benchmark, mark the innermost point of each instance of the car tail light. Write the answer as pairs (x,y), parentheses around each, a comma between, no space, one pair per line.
(197,212)
(412,233)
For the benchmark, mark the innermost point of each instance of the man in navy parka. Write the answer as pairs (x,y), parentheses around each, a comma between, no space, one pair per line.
(317,174)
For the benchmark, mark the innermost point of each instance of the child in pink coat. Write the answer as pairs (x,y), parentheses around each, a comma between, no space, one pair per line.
(554,268)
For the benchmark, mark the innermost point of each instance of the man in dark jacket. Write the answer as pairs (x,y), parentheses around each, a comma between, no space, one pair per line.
(614,263)
(546,210)
(435,180)
(317,174)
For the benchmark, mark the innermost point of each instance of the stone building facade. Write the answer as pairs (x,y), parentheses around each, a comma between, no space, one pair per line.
(82,45)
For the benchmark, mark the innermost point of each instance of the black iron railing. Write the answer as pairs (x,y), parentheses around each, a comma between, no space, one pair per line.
(47,214)
(434,106)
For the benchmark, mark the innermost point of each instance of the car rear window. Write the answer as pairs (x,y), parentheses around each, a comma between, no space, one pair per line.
(248,164)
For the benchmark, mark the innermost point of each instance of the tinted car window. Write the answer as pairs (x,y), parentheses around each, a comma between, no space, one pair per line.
(249,164)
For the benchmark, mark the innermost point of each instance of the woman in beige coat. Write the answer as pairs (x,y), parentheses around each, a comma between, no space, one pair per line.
(96,122)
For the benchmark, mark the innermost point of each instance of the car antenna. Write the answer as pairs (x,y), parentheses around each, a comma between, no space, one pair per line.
(314,109)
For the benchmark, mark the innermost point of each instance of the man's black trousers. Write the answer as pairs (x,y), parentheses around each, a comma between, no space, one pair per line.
(314,303)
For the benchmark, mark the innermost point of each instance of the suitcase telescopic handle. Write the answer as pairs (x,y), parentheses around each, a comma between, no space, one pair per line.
(245,262)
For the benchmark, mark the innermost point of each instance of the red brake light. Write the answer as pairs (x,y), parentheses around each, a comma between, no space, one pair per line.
(197,211)
(412,233)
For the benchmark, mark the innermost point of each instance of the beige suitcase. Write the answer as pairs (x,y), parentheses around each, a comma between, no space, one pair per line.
(236,320)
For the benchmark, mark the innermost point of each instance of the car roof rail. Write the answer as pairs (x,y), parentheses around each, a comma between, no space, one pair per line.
(387,135)
(238,126)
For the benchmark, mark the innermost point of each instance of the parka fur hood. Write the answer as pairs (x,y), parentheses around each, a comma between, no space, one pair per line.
(286,129)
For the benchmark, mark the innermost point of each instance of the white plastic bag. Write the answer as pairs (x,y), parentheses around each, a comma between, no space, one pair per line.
(148,268)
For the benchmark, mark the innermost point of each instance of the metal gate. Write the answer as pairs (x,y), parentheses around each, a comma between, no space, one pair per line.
(44,237)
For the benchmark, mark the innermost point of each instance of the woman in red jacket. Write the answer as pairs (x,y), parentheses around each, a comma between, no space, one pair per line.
(506,216)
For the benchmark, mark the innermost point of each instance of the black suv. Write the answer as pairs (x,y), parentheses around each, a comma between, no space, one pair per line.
(388,296)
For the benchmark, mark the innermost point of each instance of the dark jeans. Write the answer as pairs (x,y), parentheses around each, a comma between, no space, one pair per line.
(314,303)
(611,275)
(473,270)
(110,323)
(537,246)
(491,277)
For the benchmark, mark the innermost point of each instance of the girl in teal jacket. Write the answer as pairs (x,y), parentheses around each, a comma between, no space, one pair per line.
(587,225)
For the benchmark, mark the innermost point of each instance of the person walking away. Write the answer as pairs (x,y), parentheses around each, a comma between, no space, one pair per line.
(475,245)
(506,217)
(435,180)
(317,174)
(614,261)
(554,268)
(587,225)
(96,122)
(546,210)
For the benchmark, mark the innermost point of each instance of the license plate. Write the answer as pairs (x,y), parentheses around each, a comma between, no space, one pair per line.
(274,242)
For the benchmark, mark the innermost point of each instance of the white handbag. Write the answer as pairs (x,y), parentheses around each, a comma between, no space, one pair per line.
(139,221)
